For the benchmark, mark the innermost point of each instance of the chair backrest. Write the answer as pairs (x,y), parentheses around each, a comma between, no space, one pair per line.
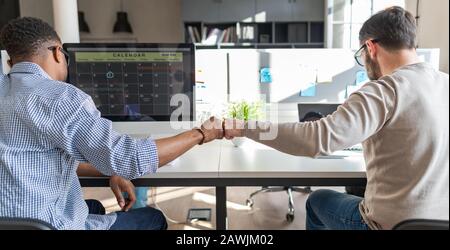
(23,224)
(422,225)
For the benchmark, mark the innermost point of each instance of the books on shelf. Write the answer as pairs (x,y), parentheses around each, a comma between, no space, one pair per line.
(194,34)
(197,35)
(248,33)
(215,36)
(230,35)
(191,33)
(204,33)
(241,34)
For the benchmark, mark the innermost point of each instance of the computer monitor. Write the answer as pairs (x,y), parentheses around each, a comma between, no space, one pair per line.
(133,82)
(323,109)
(314,111)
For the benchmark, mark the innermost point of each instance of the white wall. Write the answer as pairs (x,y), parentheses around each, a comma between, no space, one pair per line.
(433,26)
(292,70)
(42,9)
(151,20)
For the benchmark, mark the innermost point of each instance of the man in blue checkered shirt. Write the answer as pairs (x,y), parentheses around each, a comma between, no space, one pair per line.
(50,131)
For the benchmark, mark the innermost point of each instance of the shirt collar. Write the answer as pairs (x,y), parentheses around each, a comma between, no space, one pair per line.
(29,68)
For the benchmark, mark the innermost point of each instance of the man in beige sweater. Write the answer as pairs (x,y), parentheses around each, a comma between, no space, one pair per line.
(402,119)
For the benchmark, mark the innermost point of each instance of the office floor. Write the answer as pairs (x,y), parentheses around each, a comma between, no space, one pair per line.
(268,212)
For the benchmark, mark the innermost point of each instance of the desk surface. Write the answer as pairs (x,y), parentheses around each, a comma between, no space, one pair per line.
(221,159)
(200,162)
(221,164)
(256,160)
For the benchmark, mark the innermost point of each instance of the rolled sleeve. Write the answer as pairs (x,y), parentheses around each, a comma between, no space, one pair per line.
(147,156)
(80,131)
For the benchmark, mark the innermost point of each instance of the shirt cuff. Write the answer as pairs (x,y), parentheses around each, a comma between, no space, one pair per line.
(148,159)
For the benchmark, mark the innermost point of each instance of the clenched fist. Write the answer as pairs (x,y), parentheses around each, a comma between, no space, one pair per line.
(234,128)
(212,129)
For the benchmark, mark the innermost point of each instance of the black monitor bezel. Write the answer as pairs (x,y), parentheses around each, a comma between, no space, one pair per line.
(106,46)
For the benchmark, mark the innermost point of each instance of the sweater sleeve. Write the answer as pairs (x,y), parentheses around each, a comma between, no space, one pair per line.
(361,116)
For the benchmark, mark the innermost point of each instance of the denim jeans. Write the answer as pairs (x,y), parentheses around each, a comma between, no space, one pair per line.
(146,218)
(331,210)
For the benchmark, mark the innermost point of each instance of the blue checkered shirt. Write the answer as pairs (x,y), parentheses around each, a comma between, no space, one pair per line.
(46,129)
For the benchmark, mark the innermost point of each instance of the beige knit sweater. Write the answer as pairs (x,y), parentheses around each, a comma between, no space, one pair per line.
(402,121)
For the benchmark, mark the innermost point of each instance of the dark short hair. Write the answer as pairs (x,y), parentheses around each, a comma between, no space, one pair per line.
(24,37)
(394,28)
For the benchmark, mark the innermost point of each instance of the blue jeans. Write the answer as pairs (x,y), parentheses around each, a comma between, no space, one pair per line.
(146,218)
(331,210)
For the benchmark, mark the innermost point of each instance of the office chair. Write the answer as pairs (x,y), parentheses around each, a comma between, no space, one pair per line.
(422,225)
(24,224)
(290,216)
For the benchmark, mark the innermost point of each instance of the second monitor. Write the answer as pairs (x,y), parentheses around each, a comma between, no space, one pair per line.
(134,82)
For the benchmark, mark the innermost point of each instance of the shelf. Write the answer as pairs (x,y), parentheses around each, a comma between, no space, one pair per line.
(291,32)
(261,46)
(317,32)
(256,34)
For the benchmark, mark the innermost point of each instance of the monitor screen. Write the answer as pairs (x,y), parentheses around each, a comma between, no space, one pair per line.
(322,109)
(134,82)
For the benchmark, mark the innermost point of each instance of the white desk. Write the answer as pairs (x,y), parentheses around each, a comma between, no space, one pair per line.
(220,164)
(200,162)
(256,160)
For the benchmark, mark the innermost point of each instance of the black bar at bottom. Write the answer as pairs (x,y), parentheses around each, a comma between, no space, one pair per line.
(221,208)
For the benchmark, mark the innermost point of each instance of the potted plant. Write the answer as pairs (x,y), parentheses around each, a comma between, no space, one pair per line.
(245,111)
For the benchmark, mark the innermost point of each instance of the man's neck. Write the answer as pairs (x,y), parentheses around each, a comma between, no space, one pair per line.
(393,61)
(49,69)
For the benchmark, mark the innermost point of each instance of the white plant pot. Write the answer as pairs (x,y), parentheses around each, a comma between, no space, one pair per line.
(238,141)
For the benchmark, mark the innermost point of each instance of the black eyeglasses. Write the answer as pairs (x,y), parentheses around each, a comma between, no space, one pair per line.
(65,53)
(358,54)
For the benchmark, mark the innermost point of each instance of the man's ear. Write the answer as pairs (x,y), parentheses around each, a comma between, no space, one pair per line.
(372,49)
(57,56)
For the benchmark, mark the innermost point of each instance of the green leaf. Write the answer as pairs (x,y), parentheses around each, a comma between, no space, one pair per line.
(245,111)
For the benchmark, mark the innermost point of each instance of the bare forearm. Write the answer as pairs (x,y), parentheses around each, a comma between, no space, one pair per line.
(172,147)
(87,170)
